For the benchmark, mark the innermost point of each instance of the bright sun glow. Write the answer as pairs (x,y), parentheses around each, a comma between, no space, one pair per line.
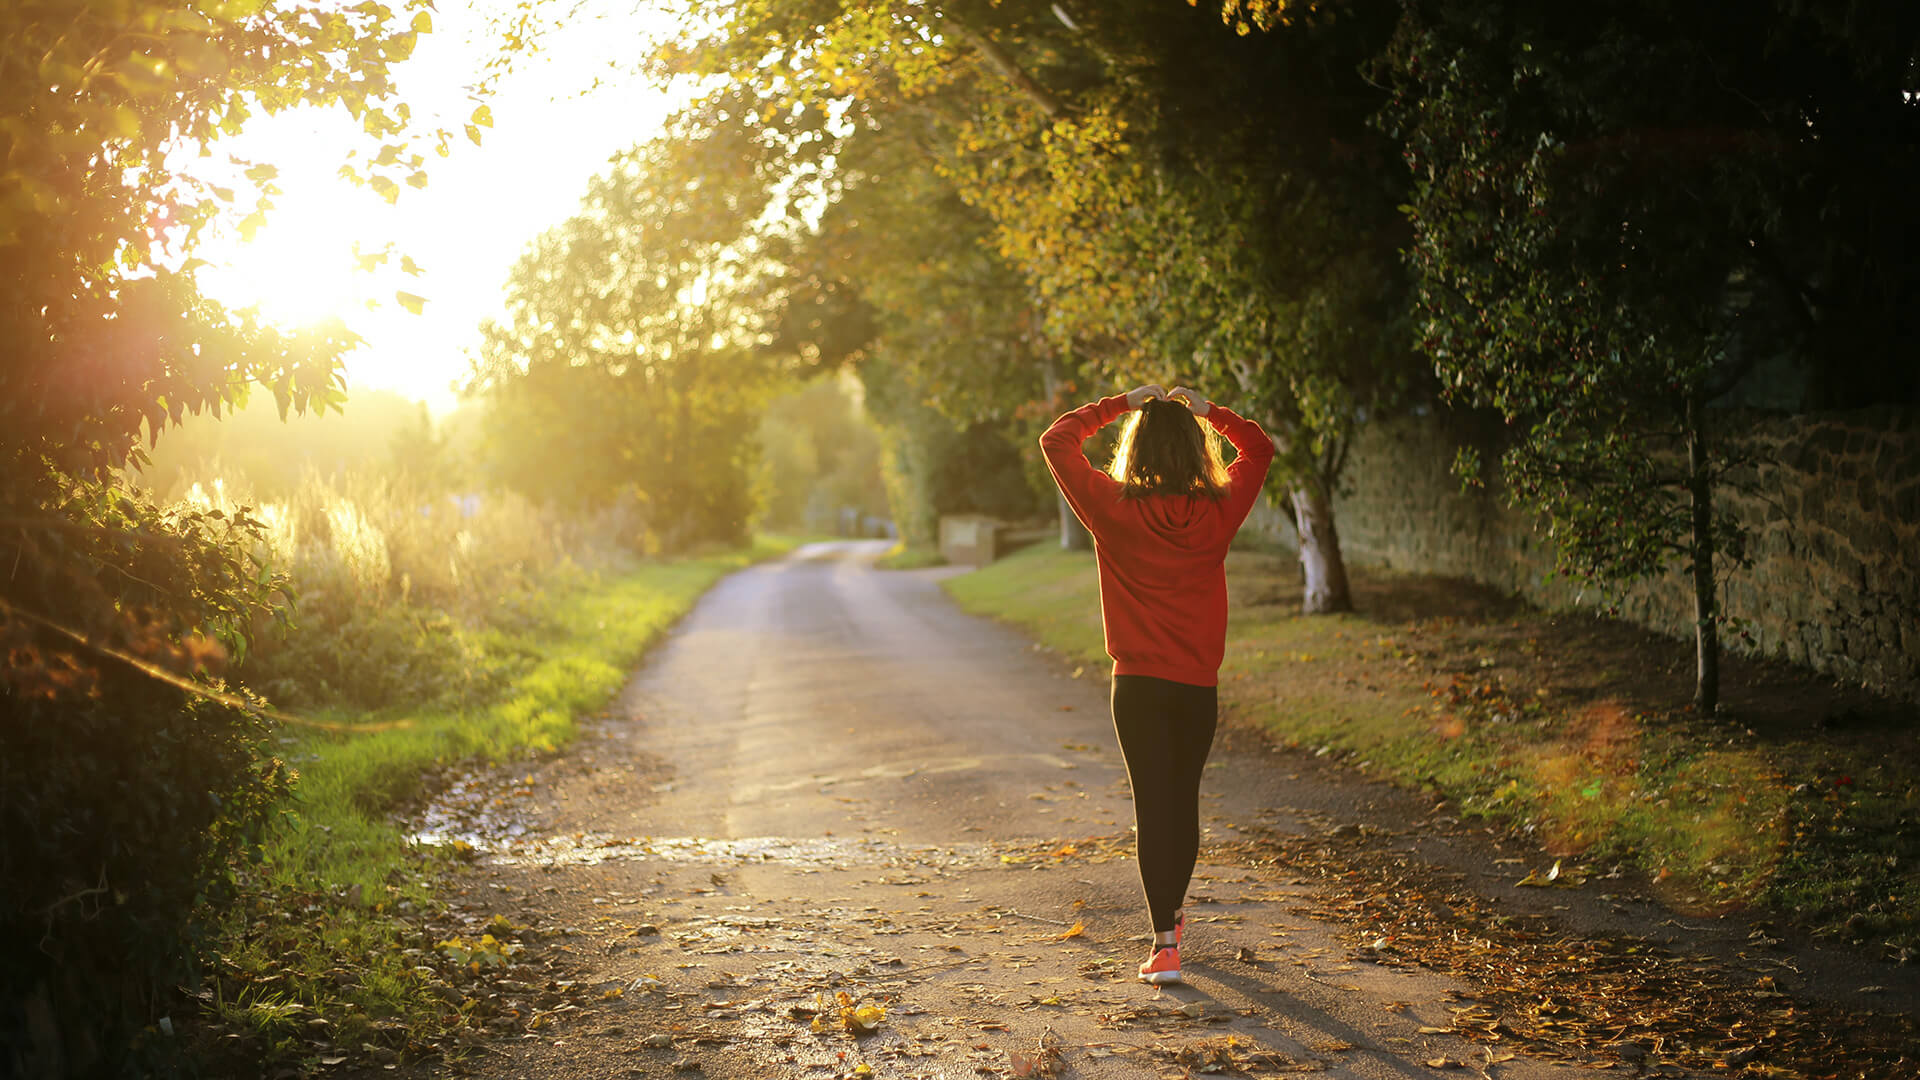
(556,121)
(299,268)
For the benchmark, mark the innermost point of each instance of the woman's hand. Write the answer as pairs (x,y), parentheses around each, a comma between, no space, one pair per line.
(1140,395)
(1194,399)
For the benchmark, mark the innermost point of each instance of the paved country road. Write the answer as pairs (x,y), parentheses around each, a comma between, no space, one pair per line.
(828,781)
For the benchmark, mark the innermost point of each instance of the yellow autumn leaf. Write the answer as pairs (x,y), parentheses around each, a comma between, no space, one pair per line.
(1078,929)
(866,1018)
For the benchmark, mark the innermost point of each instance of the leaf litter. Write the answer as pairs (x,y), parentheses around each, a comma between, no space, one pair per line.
(1557,995)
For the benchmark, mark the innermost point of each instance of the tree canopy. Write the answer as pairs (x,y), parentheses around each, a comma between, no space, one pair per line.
(1620,215)
(637,342)
(1177,200)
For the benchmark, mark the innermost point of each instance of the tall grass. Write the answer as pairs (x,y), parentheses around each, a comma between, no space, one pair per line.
(402,597)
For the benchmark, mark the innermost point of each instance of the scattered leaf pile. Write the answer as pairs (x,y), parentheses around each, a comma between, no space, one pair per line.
(1231,1055)
(1555,993)
(1090,849)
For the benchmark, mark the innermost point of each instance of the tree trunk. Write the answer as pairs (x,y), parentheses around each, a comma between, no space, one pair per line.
(1073,535)
(1326,571)
(1706,629)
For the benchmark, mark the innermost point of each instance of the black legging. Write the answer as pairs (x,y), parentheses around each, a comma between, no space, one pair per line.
(1165,729)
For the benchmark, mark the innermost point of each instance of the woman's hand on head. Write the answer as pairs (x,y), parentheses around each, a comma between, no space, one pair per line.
(1140,395)
(1194,399)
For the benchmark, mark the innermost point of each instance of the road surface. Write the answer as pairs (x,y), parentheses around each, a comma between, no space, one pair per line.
(828,781)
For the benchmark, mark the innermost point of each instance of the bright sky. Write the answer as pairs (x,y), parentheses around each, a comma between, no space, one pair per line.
(553,128)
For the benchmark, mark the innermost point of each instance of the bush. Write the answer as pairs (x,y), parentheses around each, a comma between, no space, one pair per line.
(397,595)
(123,793)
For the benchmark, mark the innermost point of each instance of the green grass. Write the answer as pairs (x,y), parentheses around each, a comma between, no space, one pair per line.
(315,931)
(1526,718)
(1052,594)
(902,557)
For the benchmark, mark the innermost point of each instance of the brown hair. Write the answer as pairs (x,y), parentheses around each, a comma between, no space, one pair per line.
(1165,450)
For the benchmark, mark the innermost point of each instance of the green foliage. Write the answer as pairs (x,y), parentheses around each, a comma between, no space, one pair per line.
(1159,186)
(933,466)
(632,356)
(955,369)
(1614,220)
(121,797)
(104,326)
(820,455)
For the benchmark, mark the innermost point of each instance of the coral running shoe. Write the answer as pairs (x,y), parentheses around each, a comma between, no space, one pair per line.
(1163,968)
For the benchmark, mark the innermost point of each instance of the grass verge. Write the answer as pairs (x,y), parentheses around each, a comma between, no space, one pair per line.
(1563,727)
(902,557)
(336,948)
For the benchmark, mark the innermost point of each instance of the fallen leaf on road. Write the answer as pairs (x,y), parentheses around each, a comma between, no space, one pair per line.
(1076,930)
(1024,1065)
(851,1016)
(1536,879)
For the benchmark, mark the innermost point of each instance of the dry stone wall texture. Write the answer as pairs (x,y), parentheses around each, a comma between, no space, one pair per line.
(1833,514)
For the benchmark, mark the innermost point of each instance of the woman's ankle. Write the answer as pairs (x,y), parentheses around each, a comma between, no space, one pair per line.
(1171,935)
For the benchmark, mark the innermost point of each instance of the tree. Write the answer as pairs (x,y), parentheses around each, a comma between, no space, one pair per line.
(956,359)
(821,456)
(635,345)
(1609,210)
(126,771)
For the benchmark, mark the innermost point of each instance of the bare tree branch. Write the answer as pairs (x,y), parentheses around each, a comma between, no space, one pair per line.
(1008,69)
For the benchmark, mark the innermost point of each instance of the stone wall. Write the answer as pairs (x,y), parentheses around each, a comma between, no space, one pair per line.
(1834,514)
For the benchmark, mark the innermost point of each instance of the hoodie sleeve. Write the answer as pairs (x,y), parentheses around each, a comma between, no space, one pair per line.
(1088,490)
(1248,473)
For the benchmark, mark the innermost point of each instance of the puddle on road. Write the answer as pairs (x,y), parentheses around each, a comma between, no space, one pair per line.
(477,814)
(818,853)
(481,814)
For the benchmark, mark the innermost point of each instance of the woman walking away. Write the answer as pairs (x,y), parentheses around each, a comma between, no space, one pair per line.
(1161,518)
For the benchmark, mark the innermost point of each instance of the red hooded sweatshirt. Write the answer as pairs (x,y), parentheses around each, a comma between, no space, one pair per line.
(1163,578)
